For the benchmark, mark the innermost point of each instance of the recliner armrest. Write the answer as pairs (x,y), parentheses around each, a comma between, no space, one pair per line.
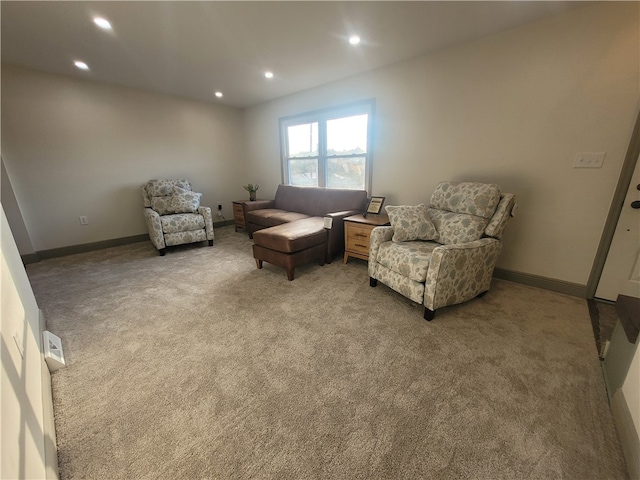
(378,236)
(460,272)
(152,218)
(208,221)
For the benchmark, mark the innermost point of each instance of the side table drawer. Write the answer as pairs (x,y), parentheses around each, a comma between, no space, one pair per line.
(357,234)
(358,238)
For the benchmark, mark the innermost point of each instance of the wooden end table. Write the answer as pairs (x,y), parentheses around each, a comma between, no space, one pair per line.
(357,232)
(238,213)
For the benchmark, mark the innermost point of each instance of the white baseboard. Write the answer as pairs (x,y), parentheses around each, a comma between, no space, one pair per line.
(627,433)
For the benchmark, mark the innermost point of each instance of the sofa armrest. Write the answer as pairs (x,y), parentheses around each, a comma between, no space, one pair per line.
(257,205)
(460,272)
(335,242)
(342,215)
(155,227)
(208,221)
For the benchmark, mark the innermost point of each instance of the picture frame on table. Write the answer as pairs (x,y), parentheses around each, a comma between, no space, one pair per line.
(374,206)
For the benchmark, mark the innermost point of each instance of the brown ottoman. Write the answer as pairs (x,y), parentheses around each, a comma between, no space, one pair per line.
(291,244)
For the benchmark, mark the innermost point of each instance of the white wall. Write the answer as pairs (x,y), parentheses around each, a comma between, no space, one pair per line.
(12,211)
(512,109)
(27,438)
(631,390)
(74,147)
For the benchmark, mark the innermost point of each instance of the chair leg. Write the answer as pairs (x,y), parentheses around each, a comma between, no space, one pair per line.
(211,243)
(373,282)
(428,314)
(258,263)
(162,251)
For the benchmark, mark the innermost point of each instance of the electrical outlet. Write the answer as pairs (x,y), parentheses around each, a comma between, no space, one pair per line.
(589,160)
(84,220)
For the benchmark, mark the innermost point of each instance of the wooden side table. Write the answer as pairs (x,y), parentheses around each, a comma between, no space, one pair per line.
(357,231)
(238,214)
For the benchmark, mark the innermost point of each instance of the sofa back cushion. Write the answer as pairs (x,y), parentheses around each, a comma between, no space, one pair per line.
(461,211)
(318,201)
(340,200)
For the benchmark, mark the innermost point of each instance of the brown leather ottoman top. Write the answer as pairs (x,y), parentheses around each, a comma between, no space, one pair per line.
(293,236)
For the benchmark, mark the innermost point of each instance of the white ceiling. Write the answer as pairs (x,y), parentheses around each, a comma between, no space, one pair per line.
(192,49)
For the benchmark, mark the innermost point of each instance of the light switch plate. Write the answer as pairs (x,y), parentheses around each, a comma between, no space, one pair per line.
(589,160)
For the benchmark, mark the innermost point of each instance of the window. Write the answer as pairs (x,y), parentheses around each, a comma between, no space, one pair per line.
(329,148)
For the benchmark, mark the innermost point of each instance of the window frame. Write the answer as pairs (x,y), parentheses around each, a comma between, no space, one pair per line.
(322,117)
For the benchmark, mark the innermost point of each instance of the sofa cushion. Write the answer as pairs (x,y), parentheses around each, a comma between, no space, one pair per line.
(279,218)
(409,259)
(411,222)
(318,201)
(306,200)
(293,236)
(184,201)
(181,222)
(261,216)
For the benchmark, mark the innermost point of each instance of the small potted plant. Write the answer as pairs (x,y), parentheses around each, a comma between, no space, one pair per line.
(252,189)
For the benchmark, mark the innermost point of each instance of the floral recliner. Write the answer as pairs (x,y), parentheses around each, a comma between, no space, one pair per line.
(174,215)
(444,254)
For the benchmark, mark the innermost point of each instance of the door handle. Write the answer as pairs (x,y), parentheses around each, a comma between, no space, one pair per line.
(635,204)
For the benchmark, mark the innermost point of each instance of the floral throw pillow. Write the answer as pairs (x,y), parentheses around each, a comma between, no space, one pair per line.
(184,201)
(411,222)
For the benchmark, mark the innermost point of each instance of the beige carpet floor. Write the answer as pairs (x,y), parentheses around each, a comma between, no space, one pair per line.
(197,365)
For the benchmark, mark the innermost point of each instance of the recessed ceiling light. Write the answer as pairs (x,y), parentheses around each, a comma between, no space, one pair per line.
(354,39)
(81,65)
(218,94)
(268,74)
(102,23)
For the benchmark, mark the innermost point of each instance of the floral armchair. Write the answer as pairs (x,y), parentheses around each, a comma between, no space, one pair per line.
(174,215)
(444,254)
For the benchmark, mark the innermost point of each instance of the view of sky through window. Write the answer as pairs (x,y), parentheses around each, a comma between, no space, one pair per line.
(303,140)
(347,135)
